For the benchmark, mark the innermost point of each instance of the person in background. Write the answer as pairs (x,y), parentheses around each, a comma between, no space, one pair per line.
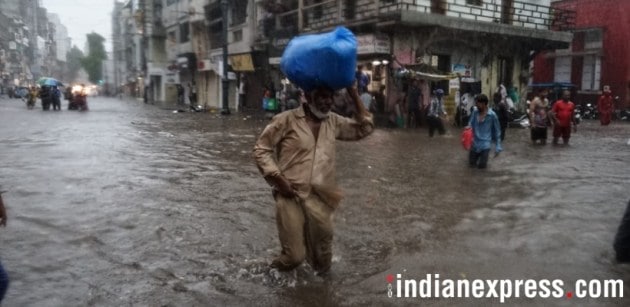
(242,92)
(605,106)
(4,277)
(435,112)
(563,117)
(295,153)
(538,117)
(501,109)
(31,97)
(180,94)
(192,94)
(56,98)
(363,79)
(368,100)
(414,101)
(486,129)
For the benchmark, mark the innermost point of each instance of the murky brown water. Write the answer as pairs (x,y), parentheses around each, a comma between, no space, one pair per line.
(128,204)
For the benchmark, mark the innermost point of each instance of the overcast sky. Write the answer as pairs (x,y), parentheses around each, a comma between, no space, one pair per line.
(82,17)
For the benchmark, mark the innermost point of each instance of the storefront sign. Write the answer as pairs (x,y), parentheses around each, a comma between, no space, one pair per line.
(242,62)
(463,69)
(373,44)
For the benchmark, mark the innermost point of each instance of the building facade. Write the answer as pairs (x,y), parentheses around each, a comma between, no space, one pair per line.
(486,42)
(490,42)
(598,54)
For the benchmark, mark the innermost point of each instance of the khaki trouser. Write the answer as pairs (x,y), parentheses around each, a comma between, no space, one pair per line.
(305,229)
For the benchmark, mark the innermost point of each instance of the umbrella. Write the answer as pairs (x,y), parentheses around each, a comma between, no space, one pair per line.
(49,81)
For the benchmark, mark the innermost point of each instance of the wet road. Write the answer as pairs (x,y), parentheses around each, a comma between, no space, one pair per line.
(128,204)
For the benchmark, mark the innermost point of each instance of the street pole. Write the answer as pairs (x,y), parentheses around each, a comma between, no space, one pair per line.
(225,82)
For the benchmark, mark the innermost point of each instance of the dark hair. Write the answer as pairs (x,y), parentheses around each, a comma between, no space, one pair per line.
(481,98)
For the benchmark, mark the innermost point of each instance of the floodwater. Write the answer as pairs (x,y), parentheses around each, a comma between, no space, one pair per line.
(128,204)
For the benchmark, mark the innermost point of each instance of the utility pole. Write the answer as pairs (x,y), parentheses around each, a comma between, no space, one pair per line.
(225,82)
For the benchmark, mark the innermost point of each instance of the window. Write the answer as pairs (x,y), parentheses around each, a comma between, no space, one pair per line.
(237,35)
(562,69)
(593,39)
(591,72)
(350,11)
(184,32)
(318,11)
(474,2)
(239,12)
(215,33)
(172,38)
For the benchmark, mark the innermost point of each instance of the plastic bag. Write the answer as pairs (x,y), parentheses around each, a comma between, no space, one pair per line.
(467,138)
(327,59)
(272,104)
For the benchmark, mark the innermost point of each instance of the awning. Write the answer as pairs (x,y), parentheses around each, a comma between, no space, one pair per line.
(427,76)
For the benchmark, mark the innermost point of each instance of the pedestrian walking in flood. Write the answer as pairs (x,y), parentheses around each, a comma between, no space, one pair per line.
(303,178)
(538,118)
(563,117)
(486,129)
(501,109)
(435,113)
(56,98)
(605,106)
(180,94)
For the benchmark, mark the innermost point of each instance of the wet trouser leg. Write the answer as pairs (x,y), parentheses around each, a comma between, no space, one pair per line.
(305,231)
(4,282)
(622,238)
(478,159)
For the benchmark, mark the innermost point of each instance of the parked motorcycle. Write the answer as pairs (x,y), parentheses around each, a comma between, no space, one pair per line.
(518,119)
(589,112)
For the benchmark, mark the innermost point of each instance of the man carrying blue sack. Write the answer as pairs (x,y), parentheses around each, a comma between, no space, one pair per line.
(296,155)
(486,129)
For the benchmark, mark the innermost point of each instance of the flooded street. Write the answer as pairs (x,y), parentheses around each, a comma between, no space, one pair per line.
(129,204)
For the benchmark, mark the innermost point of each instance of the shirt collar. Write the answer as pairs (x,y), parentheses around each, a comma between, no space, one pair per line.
(299,112)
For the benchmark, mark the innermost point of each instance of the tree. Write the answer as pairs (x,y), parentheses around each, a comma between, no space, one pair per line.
(93,62)
(74,62)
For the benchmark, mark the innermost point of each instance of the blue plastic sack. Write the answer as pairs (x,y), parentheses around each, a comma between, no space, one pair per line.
(327,59)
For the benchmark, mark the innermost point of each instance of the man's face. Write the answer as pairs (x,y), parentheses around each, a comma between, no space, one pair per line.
(481,106)
(322,100)
(566,95)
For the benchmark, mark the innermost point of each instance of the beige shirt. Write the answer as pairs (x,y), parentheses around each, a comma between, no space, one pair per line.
(287,147)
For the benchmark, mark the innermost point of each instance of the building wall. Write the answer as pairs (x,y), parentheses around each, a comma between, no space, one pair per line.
(613,17)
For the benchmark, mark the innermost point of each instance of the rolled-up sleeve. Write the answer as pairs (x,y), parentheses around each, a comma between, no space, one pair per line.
(349,129)
(264,150)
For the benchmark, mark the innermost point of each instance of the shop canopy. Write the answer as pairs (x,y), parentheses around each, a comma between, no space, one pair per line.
(407,73)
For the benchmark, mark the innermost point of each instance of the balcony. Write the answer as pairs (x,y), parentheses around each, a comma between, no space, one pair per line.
(325,15)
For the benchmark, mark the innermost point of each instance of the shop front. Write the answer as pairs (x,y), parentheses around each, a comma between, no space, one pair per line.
(374,57)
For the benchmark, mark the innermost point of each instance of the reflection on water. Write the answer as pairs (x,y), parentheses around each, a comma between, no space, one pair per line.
(129,204)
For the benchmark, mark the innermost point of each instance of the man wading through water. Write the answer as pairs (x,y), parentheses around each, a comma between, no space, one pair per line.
(296,155)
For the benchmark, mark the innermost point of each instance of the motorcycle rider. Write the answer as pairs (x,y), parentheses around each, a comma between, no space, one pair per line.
(31,97)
